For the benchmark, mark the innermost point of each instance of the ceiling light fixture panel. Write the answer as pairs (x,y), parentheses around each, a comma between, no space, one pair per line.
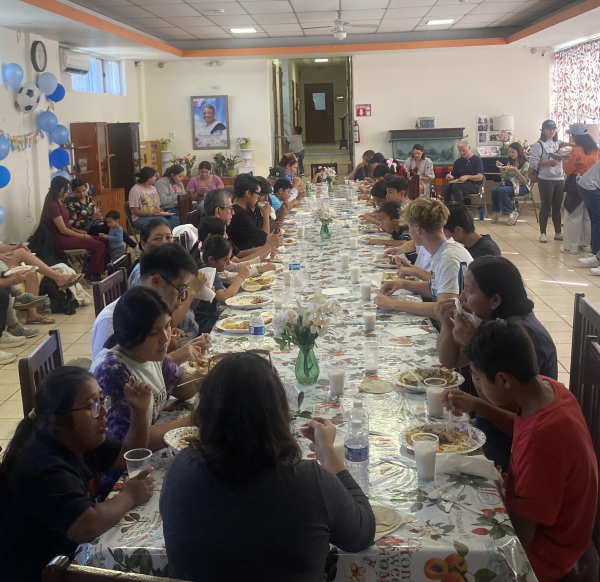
(243,30)
(437,22)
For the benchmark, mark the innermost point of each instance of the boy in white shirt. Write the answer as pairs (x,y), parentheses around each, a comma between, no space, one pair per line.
(296,146)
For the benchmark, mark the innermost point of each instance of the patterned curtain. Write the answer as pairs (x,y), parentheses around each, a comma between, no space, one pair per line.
(576,85)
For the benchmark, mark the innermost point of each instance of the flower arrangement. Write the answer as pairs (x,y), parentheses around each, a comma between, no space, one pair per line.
(244,142)
(187,161)
(220,164)
(329,174)
(231,161)
(164,143)
(325,215)
(505,137)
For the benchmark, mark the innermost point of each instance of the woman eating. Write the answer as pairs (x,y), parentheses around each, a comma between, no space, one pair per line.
(48,485)
(423,166)
(289,163)
(515,174)
(56,216)
(144,201)
(493,289)
(169,187)
(242,484)
(203,183)
(363,169)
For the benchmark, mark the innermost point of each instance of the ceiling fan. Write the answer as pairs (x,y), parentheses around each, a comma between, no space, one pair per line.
(340,25)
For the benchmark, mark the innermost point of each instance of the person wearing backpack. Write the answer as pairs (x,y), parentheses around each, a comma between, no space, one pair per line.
(550,177)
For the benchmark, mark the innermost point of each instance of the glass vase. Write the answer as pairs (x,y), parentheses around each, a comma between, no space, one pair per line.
(307,367)
(329,185)
(325,231)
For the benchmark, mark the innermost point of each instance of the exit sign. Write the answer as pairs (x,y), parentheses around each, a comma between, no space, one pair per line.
(363,110)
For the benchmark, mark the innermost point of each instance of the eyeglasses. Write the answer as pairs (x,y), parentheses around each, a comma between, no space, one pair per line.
(180,292)
(230,208)
(96,407)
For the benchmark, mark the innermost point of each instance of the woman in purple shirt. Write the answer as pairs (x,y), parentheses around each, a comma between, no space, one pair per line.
(204,182)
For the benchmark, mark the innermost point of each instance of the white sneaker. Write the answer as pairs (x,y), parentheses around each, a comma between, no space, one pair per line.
(585,249)
(495,216)
(558,236)
(7,358)
(512,219)
(11,341)
(543,238)
(569,251)
(591,261)
(595,271)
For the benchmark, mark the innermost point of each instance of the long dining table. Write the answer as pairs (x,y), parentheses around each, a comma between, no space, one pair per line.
(465,535)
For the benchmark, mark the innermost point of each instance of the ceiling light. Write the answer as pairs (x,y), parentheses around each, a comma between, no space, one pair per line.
(321,60)
(339,35)
(435,22)
(243,30)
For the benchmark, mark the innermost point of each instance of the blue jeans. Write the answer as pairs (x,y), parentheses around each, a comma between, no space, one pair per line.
(591,199)
(300,156)
(142,221)
(501,198)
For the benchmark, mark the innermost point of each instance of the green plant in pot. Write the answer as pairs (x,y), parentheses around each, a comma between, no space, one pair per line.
(230,162)
(220,164)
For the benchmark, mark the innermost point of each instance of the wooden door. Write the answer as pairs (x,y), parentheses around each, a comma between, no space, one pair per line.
(318,113)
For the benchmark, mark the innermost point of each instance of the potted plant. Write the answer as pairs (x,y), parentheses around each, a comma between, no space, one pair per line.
(244,142)
(230,162)
(164,143)
(220,164)
(186,161)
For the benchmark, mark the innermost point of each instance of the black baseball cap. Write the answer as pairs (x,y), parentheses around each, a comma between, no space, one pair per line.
(548,124)
(277,173)
(377,158)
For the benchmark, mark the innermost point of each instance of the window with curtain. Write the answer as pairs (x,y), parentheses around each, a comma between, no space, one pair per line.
(112,78)
(576,85)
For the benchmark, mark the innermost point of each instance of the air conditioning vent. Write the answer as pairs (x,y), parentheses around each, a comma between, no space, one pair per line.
(74,63)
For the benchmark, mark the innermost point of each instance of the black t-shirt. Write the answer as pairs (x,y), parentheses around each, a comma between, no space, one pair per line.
(402,234)
(243,231)
(485,246)
(48,490)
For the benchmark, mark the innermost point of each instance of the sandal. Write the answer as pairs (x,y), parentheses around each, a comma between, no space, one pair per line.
(73,280)
(41,320)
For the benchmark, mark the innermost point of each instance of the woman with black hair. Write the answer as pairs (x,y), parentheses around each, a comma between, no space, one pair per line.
(203,183)
(244,477)
(144,201)
(48,475)
(551,178)
(423,166)
(169,187)
(56,216)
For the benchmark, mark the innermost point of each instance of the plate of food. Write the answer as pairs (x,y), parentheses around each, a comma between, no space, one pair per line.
(387,276)
(387,263)
(290,241)
(199,365)
(181,438)
(461,439)
(246,301)
(289,222)
(252,284)
(368,228)
(409,382)
(289,231)
(366,240)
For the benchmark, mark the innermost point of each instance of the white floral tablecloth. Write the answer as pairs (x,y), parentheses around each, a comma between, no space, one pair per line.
(471,540)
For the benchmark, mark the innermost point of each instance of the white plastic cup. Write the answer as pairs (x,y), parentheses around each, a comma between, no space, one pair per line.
(137,460)
(337,377)
(354,230)
(365,290)
(435,388)
(371,357)
(379,256)
(287,277)
(346,181)
(370,316)
(300,231)
(353,243)
(345,259)
(277,301)
(425,448)
(355,274)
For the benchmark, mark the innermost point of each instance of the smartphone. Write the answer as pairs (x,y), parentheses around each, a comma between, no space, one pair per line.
(277,231)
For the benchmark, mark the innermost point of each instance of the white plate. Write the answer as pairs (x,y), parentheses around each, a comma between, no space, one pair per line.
(237,319)
(384,266)
(242,301)
(367,228)
(477,434)
(173,437)
(365,239)
(287,240)
(458,378)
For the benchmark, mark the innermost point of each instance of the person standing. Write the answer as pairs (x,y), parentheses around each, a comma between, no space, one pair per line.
(423,166)
(551,178)
(589,189)
(296,146)
(466,176)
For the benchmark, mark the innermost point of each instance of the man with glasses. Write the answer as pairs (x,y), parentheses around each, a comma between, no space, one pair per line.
(170,270)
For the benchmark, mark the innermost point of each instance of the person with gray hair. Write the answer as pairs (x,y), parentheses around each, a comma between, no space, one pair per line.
(219,203)
(466,176)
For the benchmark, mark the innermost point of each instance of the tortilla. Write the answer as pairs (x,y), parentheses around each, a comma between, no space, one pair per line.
(386,518)
(376,386)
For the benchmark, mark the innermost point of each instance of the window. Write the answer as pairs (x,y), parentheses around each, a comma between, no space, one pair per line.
(104,77)
(319,101)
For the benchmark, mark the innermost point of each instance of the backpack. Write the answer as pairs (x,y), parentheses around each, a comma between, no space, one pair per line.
(60,301)
(533,174)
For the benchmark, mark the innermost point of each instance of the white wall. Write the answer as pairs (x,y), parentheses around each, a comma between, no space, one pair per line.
(248,86)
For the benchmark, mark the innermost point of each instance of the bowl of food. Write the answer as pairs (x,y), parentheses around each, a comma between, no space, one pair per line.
(409,382)
(461,439)
(180,438)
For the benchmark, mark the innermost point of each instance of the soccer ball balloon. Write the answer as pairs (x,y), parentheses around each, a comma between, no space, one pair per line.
(28,97)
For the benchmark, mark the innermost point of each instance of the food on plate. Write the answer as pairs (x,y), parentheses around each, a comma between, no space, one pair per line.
(387,276)
(231,324)
(451,441)
(289,222)
(260,280)
(247,301)
(368,227)
(289,231)
(289,241)
(186,441)
(376,386)
(199,365)
(423,373)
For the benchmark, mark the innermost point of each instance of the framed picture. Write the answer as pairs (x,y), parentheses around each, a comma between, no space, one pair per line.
(494,151)
(483,152)
(210,122)
(482,137)
(495,137)
(482,122)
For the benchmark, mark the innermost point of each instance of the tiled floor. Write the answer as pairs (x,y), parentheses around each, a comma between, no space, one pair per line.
(552,279)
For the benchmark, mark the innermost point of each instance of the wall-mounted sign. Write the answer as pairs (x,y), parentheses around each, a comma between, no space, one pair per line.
(363,110)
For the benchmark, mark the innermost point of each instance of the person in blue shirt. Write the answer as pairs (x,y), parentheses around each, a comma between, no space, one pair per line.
(466,176)
(115,235)
(280,199)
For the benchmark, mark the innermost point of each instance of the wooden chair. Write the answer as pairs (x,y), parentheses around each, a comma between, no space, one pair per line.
(123,262)
(184,206)
(109,290)
(194,217)
(60,570)
(315,167)
(35,367)
(131,230)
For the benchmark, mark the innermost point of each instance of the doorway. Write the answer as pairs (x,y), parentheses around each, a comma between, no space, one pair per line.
(318,113)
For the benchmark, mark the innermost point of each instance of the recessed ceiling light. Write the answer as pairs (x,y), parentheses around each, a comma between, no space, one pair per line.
(434,22)
(243,30)
(321,60)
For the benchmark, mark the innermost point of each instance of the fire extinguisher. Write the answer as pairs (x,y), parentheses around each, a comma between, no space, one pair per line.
(356,132)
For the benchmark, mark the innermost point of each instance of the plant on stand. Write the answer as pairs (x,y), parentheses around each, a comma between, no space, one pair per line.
(230,162)
(220,164)
(244,142)
(326,216)
(302,327)
(187,162)
(164,143)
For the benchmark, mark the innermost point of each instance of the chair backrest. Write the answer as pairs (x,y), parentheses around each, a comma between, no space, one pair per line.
(315,167)
(109,289)
(194,217)
(35,367)
(123,262)
(185,206)
(60,570)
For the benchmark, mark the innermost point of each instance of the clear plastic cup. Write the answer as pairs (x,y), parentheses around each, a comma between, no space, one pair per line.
(137,460)
(425,447)
(435,388)
(371,357)
(370,316)
(337,377)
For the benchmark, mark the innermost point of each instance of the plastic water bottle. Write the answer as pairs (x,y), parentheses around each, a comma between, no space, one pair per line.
(295,275)
(359,413)
(356,454)
(257,330)
(325,201)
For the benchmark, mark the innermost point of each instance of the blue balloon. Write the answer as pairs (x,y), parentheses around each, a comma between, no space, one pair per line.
(58,95)
(46,121)
(59,135)
(2,214)
(59,158)
(4,177)
(14,75)
(4,147)
(47,83)
(63,174)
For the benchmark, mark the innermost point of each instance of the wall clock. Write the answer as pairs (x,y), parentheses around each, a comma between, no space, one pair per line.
(39,58)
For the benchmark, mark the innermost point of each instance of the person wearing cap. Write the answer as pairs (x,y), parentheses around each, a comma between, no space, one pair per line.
(551,177)
(466,176)
(584,154)
(374,161)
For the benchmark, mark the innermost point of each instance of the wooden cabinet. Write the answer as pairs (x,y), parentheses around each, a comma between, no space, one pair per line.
(124,145)
(113,199)
(151,156)
(92,155)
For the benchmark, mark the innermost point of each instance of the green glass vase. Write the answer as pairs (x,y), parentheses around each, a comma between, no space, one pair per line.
(329,185)
(307,367)
(325,231)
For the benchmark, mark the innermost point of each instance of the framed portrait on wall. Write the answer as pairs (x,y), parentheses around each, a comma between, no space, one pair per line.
(210,122)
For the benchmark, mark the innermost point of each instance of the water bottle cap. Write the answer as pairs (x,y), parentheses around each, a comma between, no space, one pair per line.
(358,404)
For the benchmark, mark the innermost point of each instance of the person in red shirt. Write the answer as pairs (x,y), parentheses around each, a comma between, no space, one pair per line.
(552,483)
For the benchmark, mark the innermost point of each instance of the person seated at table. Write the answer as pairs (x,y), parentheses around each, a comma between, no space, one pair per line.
(144,202)
(216,253)
(426,218)
(203,183)
(419,268)
(154,233)
(362,169)
(517,184)
(552,483)
(466,175)
(375,160)
(461,228)
(319,177)
(56,216)
(423,166)
(48,486)
(138,348)
(493,289)
(265,196)
(378,198)
(244,475)
(170,187)
(396,190)
(170,270)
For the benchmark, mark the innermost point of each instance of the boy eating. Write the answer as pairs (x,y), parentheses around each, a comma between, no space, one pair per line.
(396,191)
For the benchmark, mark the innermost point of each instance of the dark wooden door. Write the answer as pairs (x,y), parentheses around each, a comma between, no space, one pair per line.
(318,113)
